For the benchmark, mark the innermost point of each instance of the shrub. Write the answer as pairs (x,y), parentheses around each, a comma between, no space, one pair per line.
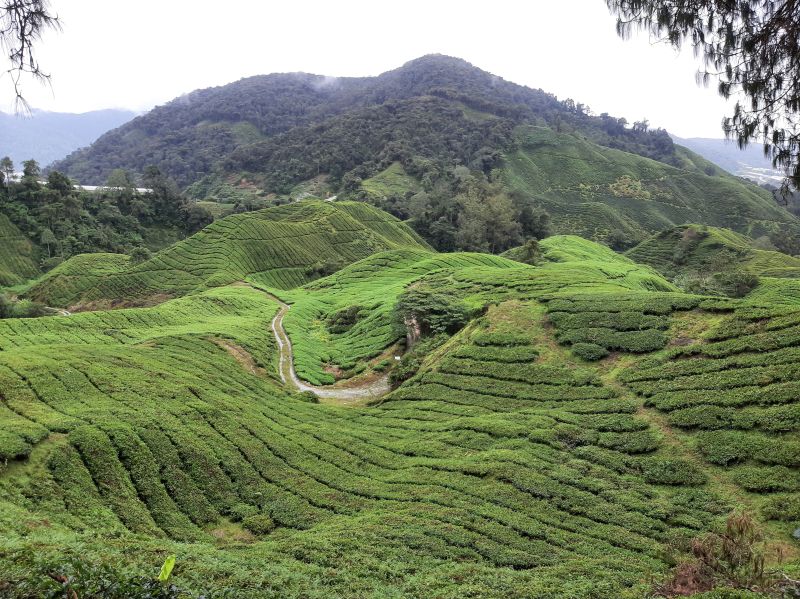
(736,282)
(411,361)
(785,508)
(433,312)
(734,557)
(619,241)
(499,339)
(731,281)
(307,397)
(720,447)
(325,268)
(343,320)
(667,471)
(140,254)
(383,365)
(589,351)
(79,578)
(241,511)
(570,436)
(5,306)
(766,478)
(27,309)
(260,524)
(49,264)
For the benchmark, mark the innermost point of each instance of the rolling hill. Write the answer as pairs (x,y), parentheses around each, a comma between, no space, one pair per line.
(697,256)
(696,247)
(281,247)
(586,421)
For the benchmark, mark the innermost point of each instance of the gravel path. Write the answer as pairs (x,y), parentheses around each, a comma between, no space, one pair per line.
(369,390)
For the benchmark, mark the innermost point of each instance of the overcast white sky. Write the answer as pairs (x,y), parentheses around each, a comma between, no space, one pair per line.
(137,54)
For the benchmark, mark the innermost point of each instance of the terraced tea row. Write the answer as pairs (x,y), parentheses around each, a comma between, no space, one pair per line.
(737,389)
(17,262)
(282,246)
(169,438)
(596,324)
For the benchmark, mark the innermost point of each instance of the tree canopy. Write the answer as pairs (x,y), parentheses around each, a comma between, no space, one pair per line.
(65,221)
(752,47)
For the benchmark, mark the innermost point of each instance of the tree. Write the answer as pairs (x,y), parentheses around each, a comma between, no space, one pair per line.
(501,229)
(431,311)
(48,239)
(22,23)
(7,167)
(30,169)
(140,254)
(530,252)
(534,221)
(5,306)
(59,182)
(120,179)
(751,47)
(196,217)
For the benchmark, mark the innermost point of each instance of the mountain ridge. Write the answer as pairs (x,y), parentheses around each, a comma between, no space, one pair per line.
(274,103)
(48,136)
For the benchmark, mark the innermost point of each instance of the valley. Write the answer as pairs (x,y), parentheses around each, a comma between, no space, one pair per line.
(424,334)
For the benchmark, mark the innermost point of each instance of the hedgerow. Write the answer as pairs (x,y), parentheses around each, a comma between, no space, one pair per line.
(635,322)
(738,388)
(589,351)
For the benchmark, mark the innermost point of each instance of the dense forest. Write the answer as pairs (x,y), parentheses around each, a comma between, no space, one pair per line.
(63,220)
(474,162)
(211,129)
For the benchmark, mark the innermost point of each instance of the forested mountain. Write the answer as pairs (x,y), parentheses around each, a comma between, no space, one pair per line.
(191,134)
(47,136)
(474,162)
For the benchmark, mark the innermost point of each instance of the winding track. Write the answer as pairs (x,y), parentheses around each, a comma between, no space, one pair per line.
(369,390)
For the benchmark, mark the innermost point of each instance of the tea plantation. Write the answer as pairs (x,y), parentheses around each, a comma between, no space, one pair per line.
(593,191)
(283,247)
(571,439)
(16,255)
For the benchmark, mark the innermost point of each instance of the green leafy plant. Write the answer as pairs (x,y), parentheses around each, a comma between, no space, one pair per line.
(166,569)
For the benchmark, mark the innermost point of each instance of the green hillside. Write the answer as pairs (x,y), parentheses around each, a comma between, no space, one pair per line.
(581,428)
(16,255)
(695,247)
(371,288)
(280,247)
(599,192)
(74,277)
(695,255)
